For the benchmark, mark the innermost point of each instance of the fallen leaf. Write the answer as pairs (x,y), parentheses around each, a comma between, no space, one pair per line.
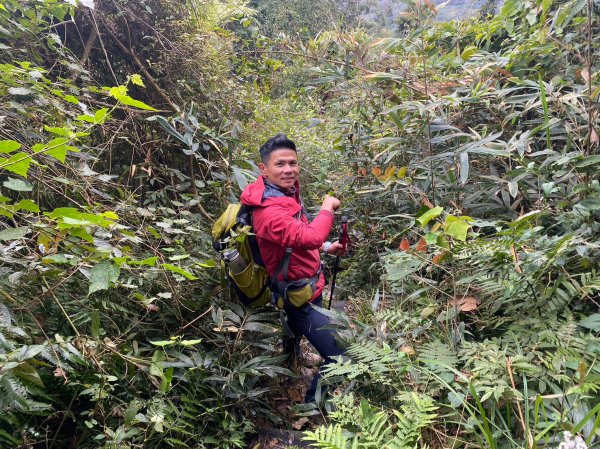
(404,245)
(466,303)
(298,424)
(407,350)
(422,245)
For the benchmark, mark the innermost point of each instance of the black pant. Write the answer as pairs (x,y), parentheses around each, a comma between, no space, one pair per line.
(308,321)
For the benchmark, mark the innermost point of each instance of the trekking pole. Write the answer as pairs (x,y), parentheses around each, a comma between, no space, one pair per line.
(343,239)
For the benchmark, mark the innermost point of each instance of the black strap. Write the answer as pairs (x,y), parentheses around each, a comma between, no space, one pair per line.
(283,266)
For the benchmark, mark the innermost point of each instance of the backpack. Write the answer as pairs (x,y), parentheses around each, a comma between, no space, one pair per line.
(232,235)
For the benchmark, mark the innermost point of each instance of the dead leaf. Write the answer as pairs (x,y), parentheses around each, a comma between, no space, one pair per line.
(376,171)
(594,138)
(430,6)
(466,303)
(407,350)
(58,372)
(226,329)
(421,245)
(298,424)
(404,245)
(426,201)
(585,74)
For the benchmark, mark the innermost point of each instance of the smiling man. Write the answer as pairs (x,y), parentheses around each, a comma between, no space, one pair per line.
(285,234)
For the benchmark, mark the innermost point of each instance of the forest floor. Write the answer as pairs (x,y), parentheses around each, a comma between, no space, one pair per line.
(290,393)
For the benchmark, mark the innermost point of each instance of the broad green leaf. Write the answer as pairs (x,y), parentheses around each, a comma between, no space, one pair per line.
(27,205)
(127,100)
(13,233)
(57,148)
(110,215)
(119,93)
(86,118)
(156,367)
(177,270)
(101,116)
(17,184)
(430,215)
(587,161)
(27,373)
(62,131)
(456,228)
(401,264)
(102,275)
(150,261)
(7,211)
(55,258)
(70,215)
(8,146)
(82,234)
(591,322)
(71,99)
(18,163)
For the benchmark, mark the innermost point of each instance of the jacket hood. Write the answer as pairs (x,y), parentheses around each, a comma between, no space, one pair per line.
(253,193)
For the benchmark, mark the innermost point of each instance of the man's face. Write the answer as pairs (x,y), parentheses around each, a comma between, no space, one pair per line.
(282,168)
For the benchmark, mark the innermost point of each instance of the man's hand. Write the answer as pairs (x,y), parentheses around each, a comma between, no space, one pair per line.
(336,249)
(330,203)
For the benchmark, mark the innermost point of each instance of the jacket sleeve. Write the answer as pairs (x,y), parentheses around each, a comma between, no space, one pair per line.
(276,224)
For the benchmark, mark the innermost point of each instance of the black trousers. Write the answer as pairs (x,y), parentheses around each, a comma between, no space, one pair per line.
(309,322)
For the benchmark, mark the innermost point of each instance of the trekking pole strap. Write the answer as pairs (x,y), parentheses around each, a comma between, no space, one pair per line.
(344,239)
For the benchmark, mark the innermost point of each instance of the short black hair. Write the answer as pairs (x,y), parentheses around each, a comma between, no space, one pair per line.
(278,142)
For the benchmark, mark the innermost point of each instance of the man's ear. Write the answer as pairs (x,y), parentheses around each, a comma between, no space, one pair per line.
(262,168)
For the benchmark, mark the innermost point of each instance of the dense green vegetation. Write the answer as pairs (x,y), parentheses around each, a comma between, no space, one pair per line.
(465,153)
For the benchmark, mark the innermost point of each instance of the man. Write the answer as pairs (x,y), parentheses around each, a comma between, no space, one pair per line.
(281,224)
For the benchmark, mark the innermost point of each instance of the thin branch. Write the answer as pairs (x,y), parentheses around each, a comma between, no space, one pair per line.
(150,78)
(93,15)
(589,66)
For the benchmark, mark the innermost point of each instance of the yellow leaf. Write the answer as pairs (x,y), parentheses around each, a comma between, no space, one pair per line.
(111,215)
(137,80)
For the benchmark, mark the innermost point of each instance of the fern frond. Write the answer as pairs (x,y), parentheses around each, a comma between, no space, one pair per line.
(331,437)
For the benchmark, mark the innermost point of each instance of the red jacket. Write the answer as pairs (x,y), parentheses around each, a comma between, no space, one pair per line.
(277,228)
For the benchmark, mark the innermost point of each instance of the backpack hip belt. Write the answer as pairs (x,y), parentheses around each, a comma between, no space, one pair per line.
(297,292)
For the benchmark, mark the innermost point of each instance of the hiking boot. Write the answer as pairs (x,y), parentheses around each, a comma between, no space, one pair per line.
(310,359)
